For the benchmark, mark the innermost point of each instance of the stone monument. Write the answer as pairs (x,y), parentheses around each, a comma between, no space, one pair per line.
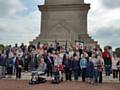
(64,20)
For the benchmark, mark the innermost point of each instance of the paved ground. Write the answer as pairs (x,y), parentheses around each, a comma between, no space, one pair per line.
(74,85)
(27,76)
(13,84)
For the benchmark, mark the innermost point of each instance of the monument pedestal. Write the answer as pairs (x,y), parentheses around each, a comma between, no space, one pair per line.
(64,22)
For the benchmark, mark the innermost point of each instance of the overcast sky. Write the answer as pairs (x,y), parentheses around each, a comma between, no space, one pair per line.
(20,21)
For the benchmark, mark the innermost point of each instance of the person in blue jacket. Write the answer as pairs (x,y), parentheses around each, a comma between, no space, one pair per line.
(83,66)
(90,70)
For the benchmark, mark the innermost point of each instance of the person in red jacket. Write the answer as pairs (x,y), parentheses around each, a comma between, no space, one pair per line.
(107,61)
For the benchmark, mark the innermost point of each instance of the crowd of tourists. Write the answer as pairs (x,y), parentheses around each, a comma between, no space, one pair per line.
(75,62)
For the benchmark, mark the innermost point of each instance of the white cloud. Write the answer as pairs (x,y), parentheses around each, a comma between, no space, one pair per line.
(17,28)
(20,29)
(10,7)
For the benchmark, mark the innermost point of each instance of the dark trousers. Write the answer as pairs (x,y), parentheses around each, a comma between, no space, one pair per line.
(115,73)
(83,74)
(49,71)
(9,70)
(119,74)
(100,77)
(68,74)
(26,67)
(75,74)
(18,72)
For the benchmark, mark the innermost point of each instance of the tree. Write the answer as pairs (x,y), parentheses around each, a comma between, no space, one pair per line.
(1,47)
(117,50)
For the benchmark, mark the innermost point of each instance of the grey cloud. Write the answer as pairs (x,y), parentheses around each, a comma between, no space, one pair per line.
(108,36)
(105,32)
(111,3)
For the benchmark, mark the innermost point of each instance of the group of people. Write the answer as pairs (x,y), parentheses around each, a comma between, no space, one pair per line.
(89,63)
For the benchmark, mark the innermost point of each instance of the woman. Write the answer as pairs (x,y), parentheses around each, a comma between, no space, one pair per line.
(67,62)
(100,67)
(90,70)
(18,65)
(58,63)
(9,64)
(83,66)
(26,61)
(42,66)
(114,67)
(96,71)
(38,76)
(118,66)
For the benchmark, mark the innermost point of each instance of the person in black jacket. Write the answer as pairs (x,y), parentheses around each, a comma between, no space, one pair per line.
(18,65)
(50,63)
(67,62)
(2,65)
(118,65)
(75,66)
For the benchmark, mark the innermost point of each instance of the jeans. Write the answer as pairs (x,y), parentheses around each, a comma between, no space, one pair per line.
(96,75)
(107,70)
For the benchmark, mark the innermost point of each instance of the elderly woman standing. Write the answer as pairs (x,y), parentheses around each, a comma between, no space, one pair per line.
(114,67)
(75,66)
(18,65)
(58,63)
(83,66)
(100,66)
(67,62)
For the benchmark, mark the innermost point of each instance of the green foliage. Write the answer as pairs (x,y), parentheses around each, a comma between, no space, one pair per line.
(117,50)
(1,47)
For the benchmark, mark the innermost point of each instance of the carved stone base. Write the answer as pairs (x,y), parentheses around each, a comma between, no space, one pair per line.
(84,38)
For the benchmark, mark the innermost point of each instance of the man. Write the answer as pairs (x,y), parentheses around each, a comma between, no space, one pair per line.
(2,66)
(107,62)
(50,64)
